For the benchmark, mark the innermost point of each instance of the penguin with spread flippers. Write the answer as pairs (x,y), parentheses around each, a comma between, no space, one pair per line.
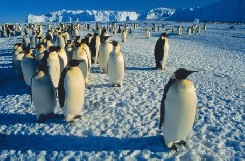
(71,90)
(178,108)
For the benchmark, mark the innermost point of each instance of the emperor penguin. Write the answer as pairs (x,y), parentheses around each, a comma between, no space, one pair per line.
(71,90)
(80,53)
(69,50)
(94,48)
(178,108)
(161,51)
(147,33)
(60,41)
(43,94)
(40,51)
(124,36)
(33,41)
(17,57)
(104,51)
(29,66)
(62,57)
(51,60)
(116,66)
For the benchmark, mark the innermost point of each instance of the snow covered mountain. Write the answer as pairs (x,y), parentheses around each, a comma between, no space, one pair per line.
(87,15)
(157,14)
(223,11)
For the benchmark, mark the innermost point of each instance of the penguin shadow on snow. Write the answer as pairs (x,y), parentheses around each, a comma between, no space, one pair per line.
(76,143)
(140,68)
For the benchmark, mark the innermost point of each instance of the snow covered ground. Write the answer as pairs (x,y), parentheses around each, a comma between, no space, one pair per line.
(122,123)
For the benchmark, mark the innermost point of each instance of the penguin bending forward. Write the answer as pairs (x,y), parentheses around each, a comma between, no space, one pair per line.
(178,108)
(71,90)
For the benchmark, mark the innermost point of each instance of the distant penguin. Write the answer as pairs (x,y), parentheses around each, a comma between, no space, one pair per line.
(116,66)
(71,90)
(60,41)
(26,42)
(147,33)
(62,57)
(69,50)
(104,51)
(124,36)
(43,94)
(29,66)
(161,51)
(180,28)
(189,30)
(17,57)
(178,108)
(33,41)
(40,51)
(94,48)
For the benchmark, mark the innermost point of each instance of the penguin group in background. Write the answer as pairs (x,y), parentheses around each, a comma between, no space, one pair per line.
(43,94)
(17,56)
(161,51)
(178,108)
(116,66)
(104,51)
(71,90)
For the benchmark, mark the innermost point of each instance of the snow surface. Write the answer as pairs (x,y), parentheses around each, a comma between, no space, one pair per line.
(122,123)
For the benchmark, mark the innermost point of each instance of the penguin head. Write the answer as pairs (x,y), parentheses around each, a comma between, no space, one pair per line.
(182,73)
(74,63)
(114,43)
(52,48)
(39,46)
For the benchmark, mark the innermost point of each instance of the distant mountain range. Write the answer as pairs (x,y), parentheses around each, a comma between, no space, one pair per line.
(223,11)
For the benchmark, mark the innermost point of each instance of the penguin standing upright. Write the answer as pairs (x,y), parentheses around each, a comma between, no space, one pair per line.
(94,48)
(29,66)
(147,33)
(178,108)
(43,94)
(51,60)
(161,51)
(41,50)
(116,66)
(104,51)
(17,57)
(71,90)
(62,57)
(69,50)
(124,36)
(60,40)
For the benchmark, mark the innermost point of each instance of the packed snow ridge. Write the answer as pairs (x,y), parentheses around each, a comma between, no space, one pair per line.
(87,15)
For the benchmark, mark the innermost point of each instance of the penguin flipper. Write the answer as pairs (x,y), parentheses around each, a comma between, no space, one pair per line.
(162,111)
(61,89)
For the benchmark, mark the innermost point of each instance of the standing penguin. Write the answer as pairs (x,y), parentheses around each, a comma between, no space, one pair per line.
(116,66)
(178,108)
(43,94)
(71,90)
(104,51)
(40,51)
(161,51)
(17,57)
(94,48)
(62,57)
(147,33)
(124,36)
(29,66)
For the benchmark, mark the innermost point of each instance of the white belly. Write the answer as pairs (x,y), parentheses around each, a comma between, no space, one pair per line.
(180,111)
(104,52)
(54,70)
(29,67)
(74,94)
(116,69)
(43,95)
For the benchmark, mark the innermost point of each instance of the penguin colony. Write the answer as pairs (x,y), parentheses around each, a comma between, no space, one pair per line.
(56,64)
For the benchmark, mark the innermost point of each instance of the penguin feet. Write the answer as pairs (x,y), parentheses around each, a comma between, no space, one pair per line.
(174,147)
(182,143)
(78,117)
(41,119)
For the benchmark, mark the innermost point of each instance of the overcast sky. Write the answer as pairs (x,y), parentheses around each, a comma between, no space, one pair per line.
(16,10)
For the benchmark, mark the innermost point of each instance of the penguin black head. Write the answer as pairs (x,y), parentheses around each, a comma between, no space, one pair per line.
(68,41)
(165,34)
(52,48)
(58,48)
(115,43)
(42,67)
(74,63)
(38,47)
(182,73)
